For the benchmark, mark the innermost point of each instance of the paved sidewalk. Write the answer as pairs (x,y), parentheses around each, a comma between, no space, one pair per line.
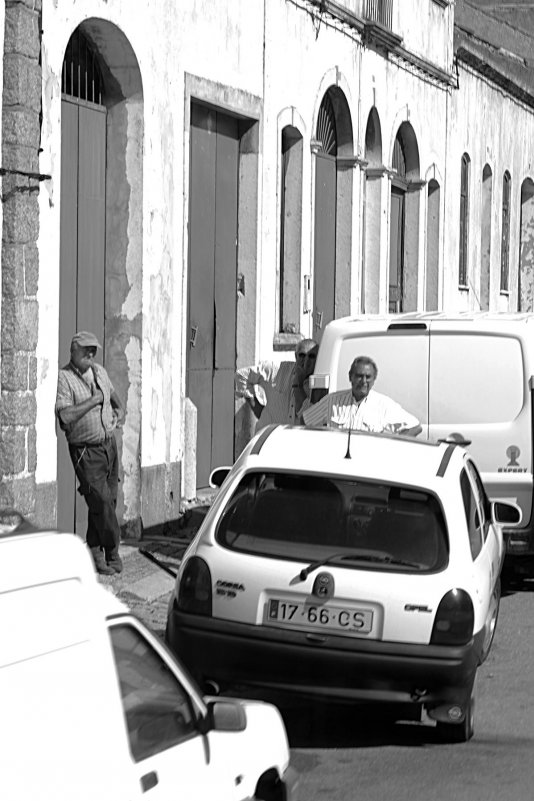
(143,585)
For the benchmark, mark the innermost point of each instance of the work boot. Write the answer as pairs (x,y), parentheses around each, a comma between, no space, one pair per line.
(100,563)
(114,561)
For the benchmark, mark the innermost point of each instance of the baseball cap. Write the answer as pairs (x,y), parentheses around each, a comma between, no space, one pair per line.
(85,339)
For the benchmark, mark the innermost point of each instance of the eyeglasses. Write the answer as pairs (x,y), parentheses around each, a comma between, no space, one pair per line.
(362,377)
(312,356)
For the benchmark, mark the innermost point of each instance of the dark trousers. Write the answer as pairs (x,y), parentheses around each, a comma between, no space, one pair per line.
(97,470)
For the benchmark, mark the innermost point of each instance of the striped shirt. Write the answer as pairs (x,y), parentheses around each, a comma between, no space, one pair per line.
(271,384)
(73,388)
(376,412)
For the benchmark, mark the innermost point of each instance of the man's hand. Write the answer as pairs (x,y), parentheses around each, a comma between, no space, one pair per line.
(97,396)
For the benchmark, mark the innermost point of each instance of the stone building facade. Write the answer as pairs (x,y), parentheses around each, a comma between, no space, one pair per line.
(203,183)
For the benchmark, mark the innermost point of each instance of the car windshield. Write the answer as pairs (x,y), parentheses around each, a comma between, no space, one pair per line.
(353,523)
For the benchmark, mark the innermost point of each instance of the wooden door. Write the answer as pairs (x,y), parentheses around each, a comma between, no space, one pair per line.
(396,251)
(325,243)
(82,263)
(211,347)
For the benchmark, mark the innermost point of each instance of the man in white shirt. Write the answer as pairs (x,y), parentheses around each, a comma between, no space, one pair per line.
(277,392)
(361,407)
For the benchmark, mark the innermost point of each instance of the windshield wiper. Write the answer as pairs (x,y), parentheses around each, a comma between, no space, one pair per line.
(385,559)
(305,572)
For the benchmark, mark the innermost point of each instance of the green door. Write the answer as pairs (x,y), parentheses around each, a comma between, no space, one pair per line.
(211,346)
(396,251)
(325,243)
(82,267)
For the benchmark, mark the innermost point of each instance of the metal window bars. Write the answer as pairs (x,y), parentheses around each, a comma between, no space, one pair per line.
(81,75)
(380,11)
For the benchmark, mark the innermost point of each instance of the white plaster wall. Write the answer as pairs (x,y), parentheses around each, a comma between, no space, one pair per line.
(2,30)
(426,29)
(328,54)
(294,89)
(492,129)
(304,54)
(218,41)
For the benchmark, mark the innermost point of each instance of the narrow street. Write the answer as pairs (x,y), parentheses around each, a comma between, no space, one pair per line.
(358,754)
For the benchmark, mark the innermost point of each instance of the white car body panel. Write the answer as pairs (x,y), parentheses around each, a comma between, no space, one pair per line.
(63,731)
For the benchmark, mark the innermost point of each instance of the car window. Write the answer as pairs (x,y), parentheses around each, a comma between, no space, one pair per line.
(475,523)
(157,709)
(480,497)
(308,517)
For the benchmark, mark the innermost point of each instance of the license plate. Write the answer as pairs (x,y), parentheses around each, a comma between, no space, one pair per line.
(343,620)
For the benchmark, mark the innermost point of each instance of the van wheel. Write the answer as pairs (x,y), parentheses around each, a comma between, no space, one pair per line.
(459,732)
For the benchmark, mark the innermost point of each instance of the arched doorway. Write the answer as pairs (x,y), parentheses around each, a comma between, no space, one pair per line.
(333,148)
(404,221)
(101,192)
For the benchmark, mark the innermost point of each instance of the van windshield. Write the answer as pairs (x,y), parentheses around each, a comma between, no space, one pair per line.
(307,518)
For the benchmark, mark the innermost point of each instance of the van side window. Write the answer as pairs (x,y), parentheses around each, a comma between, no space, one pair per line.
(472,513)
(157,709)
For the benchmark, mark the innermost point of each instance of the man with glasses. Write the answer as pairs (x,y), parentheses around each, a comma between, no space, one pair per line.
(361,407)
(88,410)
(278,392)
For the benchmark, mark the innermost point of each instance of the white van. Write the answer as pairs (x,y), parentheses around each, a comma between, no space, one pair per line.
(464,375)
(94,706)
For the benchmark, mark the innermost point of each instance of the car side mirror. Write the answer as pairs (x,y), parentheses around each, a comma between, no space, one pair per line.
(224,716)
(506,513)
(217,476)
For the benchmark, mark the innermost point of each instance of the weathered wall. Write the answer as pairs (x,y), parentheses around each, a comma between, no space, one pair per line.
(270,63)
(21,104)
(481,121)
(146,247)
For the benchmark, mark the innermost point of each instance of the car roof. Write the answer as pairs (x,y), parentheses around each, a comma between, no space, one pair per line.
(383,457)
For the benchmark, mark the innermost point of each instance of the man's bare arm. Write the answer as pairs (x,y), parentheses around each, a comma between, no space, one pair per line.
(71,414)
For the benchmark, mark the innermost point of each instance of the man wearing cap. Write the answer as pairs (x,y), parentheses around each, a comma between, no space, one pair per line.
(88,410)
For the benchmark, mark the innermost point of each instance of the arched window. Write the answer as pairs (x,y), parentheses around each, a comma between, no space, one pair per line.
(81,76)
(290,230)
(505,234)
(432,246)
(485,237)
(326,127)
(464,221)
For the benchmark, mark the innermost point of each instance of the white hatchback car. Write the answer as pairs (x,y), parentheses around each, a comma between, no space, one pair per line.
(361,566)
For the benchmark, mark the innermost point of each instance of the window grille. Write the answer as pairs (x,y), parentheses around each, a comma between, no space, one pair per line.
(326,127)
(380,11)
(399,158)
(505,239)
(464,221)
(81,76)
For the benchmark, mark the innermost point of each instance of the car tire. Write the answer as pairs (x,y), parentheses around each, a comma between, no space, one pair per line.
(491,623)
(459,732)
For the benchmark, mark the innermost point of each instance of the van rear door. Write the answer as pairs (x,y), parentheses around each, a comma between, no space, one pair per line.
(401,353)
(478,389)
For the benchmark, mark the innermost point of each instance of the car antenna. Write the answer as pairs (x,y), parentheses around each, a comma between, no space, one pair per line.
(347,455)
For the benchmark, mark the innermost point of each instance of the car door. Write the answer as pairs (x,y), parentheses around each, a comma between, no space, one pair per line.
(483,541)
(492,542)
(170,756)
